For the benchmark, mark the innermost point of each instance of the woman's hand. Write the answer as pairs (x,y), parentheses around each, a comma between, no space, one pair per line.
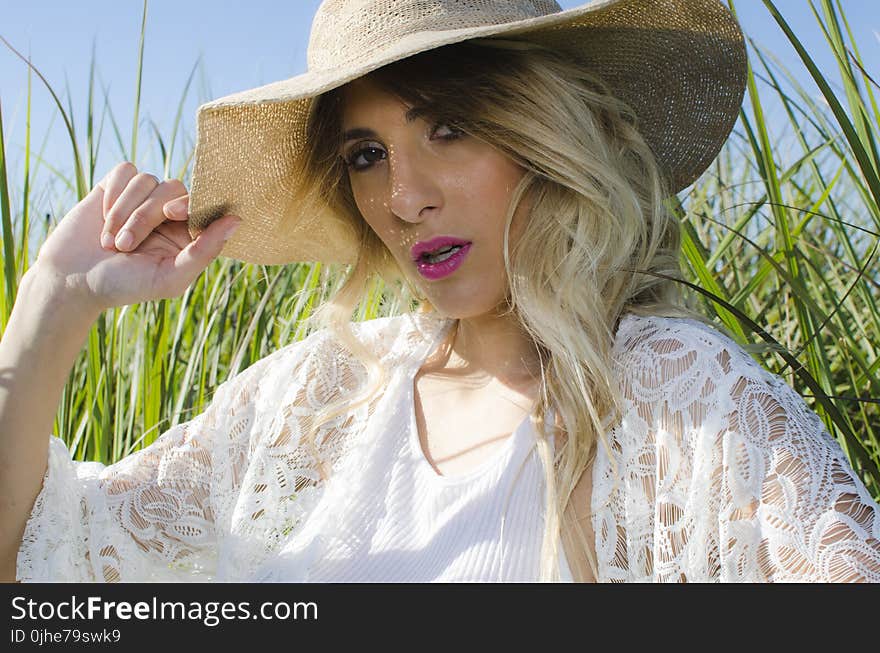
(160,262)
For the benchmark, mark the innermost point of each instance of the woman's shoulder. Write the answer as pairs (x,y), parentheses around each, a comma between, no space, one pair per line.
(398,338)
(391,338)
(661,335)
(684,362)
(668,348)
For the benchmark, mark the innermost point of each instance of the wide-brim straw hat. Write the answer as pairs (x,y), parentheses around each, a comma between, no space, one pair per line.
(680,65)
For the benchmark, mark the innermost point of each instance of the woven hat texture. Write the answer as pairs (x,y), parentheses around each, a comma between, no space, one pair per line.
(680,65)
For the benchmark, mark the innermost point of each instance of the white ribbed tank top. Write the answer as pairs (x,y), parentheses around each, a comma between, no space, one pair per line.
(415,525)
(386,515)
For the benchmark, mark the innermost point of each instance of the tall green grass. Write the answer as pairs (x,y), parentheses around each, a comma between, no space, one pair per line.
(780,248)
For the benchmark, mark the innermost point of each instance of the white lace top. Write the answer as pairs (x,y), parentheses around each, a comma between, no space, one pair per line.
(406,523)
(725,474)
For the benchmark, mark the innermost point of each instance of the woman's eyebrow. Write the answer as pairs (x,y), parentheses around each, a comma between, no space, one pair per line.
(364,132)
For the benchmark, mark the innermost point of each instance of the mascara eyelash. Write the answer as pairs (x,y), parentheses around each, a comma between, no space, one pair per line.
(347,160)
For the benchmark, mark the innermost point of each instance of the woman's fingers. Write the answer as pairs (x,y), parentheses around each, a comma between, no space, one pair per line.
(115,182)
(177,209)
(196,256)
(138,211)
(137,189)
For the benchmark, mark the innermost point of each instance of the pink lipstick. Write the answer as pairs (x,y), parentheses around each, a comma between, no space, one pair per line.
(439,257)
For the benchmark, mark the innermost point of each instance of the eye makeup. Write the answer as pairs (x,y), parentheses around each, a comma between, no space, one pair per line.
(351,159)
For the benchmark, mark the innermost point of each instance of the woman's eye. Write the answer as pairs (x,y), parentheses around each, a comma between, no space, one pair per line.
(371,153)
(452,132)
(363,158)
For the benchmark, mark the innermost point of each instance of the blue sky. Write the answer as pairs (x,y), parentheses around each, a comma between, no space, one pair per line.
(242,45)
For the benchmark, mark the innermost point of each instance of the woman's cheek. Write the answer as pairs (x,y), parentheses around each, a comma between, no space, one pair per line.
(367,204)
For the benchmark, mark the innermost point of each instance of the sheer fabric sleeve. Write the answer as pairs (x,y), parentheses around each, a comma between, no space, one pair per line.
(814,520)
(152,516)
(727,474)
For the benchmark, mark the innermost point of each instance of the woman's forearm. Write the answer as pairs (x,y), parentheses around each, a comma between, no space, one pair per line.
(39,347)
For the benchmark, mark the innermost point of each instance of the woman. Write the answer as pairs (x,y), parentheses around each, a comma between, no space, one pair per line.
(551,410)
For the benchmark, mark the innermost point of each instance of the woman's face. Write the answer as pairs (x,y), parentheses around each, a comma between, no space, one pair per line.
(414,181)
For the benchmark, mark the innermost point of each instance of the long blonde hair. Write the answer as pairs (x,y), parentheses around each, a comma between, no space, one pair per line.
(598,236)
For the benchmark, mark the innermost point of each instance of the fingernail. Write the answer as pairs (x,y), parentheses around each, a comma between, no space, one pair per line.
(177,208)
(124,239)
(106,240)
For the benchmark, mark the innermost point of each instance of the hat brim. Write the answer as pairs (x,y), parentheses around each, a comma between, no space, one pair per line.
(680,66)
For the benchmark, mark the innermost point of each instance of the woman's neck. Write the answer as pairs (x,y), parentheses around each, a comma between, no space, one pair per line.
(491,348)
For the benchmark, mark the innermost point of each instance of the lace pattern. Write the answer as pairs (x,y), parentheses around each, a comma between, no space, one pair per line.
(724,473)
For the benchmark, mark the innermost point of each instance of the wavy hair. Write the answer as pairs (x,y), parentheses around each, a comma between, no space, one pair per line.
(599,241)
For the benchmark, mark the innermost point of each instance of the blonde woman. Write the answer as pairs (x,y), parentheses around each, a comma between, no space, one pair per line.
(547,409)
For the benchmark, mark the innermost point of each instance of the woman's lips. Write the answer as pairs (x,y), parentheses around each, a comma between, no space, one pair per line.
(443,268)
(434,244)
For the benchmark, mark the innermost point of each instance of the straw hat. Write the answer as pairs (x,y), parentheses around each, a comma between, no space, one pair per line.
(679,64)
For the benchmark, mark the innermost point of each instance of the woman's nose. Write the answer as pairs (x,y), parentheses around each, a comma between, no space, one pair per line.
(413,187)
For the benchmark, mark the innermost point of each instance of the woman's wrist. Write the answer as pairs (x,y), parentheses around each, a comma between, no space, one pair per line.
(44,289)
